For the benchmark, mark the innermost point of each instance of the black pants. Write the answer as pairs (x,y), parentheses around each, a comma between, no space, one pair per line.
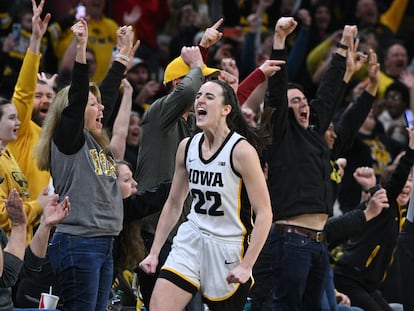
(261,292)
(361,297)
(405,253)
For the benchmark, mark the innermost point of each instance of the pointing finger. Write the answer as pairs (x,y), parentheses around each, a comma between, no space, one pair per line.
(217,24)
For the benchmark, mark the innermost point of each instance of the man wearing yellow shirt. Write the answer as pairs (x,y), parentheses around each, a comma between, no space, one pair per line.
(32,100)
(101,37)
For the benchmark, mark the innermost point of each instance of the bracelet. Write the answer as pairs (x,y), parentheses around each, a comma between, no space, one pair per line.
(122,56)
(341,46)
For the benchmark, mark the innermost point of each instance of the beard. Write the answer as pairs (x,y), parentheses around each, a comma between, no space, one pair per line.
(37,118)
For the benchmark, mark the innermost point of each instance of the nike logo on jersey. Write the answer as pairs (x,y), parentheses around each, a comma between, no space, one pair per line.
(229,262)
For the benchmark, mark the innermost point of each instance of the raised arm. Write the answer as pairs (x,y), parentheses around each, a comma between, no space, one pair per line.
(326,99)
(211,35)
(353,117)
(185,91)
(66,64)
(253,85)
(297,55)
(109,87)
(354,61)
(26,83)
(69,136)
(39,26)
(399,177)
(120,128)
(277,84)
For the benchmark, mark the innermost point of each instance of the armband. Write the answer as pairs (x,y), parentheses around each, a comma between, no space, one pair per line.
(122,56)
(341,46)
(373,189)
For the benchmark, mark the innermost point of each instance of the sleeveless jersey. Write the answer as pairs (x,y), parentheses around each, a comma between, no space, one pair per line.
(220,204)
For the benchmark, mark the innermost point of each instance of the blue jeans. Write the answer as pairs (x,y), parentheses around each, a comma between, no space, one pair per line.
(261,292)
(300,267)
(329,297)
(84,270)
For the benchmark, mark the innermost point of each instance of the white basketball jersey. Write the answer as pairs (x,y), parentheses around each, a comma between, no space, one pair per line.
(220,204)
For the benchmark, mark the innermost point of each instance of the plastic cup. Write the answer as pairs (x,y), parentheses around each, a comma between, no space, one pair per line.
(48,301)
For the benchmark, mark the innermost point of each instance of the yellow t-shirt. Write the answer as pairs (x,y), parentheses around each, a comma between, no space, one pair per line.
(385,82)
(101,40)
(13,178)
(29,131)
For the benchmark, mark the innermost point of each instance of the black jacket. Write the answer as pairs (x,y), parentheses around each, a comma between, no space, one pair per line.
(299,159)
(366,257)
(14,269)
(377,151)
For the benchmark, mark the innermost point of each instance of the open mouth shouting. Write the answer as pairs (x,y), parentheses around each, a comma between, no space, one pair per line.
(99,124)
(201,113)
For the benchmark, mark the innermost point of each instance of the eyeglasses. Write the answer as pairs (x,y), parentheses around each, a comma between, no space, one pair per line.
(394,97)
(297,100)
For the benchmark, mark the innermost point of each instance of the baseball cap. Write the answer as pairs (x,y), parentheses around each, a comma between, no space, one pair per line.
(136,61)
(178,68)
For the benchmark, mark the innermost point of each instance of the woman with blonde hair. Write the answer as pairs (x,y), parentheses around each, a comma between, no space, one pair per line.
(74,146)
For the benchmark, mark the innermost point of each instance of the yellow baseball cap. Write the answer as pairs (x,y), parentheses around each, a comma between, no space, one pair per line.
(178,68)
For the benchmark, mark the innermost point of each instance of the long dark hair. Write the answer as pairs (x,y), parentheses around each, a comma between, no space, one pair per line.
(259,136)
(3,101)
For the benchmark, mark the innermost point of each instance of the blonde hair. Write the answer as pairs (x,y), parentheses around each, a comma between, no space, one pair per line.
(94,89)
(51,122)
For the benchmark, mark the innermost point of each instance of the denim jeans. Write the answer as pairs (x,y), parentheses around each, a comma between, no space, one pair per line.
(83,267)
(300,267)
(405,253)
(261,292)
(329,297)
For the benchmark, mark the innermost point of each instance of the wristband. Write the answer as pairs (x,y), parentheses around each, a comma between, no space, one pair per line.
(341,46)
(374,189)
(122,56)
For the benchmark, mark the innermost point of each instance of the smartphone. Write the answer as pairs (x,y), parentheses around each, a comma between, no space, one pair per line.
(16,31)
(80,12)
(375,189)
(409,118)
(115,51)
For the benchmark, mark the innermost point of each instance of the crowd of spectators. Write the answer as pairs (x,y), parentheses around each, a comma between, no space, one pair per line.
(38,49)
